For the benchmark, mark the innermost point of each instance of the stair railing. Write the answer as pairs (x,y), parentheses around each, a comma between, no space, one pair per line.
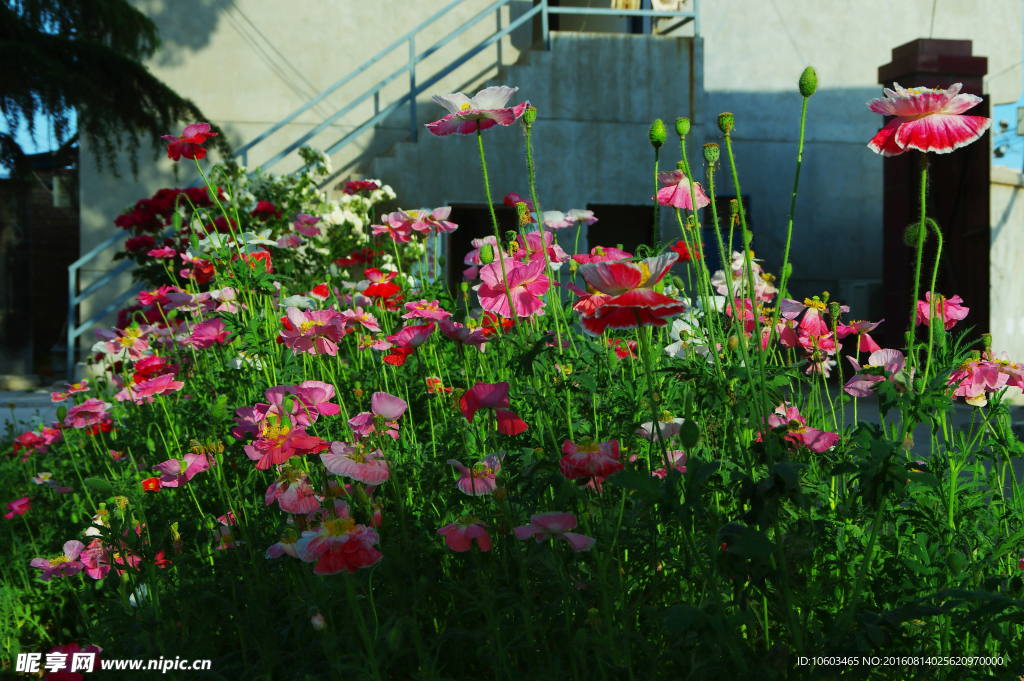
(542,7)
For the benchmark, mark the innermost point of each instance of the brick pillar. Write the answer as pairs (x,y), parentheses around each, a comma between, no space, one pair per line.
(958,194)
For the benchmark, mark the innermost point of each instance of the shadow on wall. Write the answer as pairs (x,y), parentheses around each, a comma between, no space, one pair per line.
(185,25)
(837,229)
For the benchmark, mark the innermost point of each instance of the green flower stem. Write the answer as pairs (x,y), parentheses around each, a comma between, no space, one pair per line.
(794,628)
(933,305)
(869,552)
(911,356)
(784,275)
(657,224)
(749,265)
(497,233)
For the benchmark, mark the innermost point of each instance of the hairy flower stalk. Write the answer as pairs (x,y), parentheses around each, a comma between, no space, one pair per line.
(934,325)
(494,221)
(807,85)
(922,230)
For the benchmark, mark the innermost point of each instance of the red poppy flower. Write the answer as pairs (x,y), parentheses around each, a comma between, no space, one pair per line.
(356,186)
(189,144)
(683,252)
(151,485)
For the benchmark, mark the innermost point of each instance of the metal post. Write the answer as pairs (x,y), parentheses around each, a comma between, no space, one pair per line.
(72,293)
(544,24)
(696,19)
(412,87)
(245,157)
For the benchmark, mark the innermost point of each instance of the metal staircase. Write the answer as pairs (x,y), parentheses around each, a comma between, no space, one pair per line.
(543,8)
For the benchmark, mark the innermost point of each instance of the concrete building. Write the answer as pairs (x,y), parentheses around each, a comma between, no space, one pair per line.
(249,64)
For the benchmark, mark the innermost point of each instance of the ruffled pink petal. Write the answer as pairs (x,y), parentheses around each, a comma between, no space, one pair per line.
(523,532)
(509,423)
(388,406)
(554,523)
(494,97)
(614,277)
(941,133)
(884,142)
(578,542)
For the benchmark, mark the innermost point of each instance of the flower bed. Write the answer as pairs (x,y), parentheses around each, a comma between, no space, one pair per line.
(302,456)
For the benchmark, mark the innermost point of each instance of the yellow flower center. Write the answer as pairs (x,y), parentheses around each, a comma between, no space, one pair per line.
(590,447)
(274,432)
(469,519)
(54,562)
(338,527)
(226,538)
(480,469)
(126,341)
(465,107)
(133,332)
(306,326)
(816,304)
(646,271)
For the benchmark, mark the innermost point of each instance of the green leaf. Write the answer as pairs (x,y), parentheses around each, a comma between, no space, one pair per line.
(100,485)
(926,479)
(681,618)
(644,483)
(689,434)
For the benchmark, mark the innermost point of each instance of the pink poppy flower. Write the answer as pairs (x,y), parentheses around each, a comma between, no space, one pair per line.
(589,459)
(355,462)
(130,342)
(538,244)
(29,443)
(306,224)
(388,407)
(356,186)
(316,332)
(459,535)
(589,300)
(88,413)
(147,390)
(555,219)
(286,546)
(18,507)
(225,539)
(64,565)
(677,458)
(864,342)
(165,253)
(601,254)
(277,443)
(1014,371)
(555,526)
(975,379)
(289,241)
(485,110)
(667,427)
(632,301)
(511,199)
(623,349)
(95,559)
(292,492)
(338,545)
(394,226)
(176,473)
(438,221)
(207,334)
(352,317)
(526,284)
(863,384)
(315,397)
(405,342)
(798,432)
(813,322)
(425,310)
(926,120)
(189,143)
(580,216)
(676,191)
(950,310)
(461,334)
(492,396)
(481,479)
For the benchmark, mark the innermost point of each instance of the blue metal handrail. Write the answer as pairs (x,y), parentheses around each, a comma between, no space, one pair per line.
(543,8)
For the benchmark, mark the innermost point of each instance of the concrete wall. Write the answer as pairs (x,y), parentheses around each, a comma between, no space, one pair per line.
(247,64)
(754,51)
(1006,319)
(595,103)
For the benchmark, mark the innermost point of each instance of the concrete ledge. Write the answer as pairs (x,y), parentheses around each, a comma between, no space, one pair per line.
(1004,175)
(16,382)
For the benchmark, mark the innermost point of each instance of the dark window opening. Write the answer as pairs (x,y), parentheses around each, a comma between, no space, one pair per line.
(474,222)
(629,226)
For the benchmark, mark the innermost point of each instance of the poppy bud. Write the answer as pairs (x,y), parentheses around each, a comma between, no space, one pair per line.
(523,211)
(319,622)
(711,152)
(834,309)
(464,286)
(726,122)
(500,493)
(678,283)
(808,82)
(986,339)
(530,115)
(657,134)
(912,234)
(682,126)
(361,499)
(733,343)
(486,254)
(395,639)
